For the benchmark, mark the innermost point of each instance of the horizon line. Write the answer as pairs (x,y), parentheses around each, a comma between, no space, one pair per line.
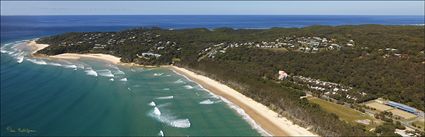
(220,15)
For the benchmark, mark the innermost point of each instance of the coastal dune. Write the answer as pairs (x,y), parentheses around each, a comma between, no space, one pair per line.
(262,115)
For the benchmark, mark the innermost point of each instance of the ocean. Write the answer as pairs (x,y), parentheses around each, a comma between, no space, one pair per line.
(90,97)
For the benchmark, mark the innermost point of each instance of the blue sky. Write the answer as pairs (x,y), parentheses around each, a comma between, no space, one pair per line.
(212,8)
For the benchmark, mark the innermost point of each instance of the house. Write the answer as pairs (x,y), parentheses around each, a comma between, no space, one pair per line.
(401,106)
(282,75)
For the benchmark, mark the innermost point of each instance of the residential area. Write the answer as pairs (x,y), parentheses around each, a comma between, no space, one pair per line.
(371,113)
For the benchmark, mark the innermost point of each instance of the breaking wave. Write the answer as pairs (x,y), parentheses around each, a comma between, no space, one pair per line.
(188,86)
(246,117)
(54,64)
(165,97)
(123,79)
(156,111)
(20,59)
(105,73)
(119,72)
(239,110)
(152,104)
(39,62)
(70,66)
(208,102)
(179,81)
(169,120)
(91,72)
(157,74)
(161,133)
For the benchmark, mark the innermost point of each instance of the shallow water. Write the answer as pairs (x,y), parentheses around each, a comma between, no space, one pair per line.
(88,97)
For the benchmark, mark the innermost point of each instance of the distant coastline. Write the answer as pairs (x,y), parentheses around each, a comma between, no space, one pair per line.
(74,56)
(262,115)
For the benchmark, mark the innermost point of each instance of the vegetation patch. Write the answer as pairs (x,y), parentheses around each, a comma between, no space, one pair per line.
(345,113)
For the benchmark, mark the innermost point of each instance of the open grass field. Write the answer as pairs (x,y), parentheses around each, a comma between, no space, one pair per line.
(378,106)
(345,113)
(402,114)
(420,124)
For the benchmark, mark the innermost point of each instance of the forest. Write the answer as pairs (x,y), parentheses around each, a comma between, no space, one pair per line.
(386,61)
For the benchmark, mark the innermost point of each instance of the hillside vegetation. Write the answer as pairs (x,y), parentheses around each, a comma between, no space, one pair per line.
(365,62)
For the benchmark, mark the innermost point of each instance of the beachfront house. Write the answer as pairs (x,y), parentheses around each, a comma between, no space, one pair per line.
(282,75)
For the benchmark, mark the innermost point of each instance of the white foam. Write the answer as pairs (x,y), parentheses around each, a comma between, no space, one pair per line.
(81,66)
(188,79)
(119,72)
(179,81)
(20,59)
(166,89)
(123,79)
(2,50)
(105,73)
(157,74)
(165,97)
(161,133)
(180,123)
(169,119)
(206,102)
(168,75)
(129,88)
(156,111)
(91,72)
(111,79)
(113,66)
(54,64)
(70,66)
(163,105)
(246,117)
(152,104)
(35,61)
(239,110)
(188,86)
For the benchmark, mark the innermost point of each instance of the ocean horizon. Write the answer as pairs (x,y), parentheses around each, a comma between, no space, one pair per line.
(89,97)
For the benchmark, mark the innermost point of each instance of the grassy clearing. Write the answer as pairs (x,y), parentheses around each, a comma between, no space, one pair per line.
(345,113)
(420,124)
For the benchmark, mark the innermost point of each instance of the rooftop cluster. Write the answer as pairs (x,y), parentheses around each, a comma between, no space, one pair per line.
(290,43)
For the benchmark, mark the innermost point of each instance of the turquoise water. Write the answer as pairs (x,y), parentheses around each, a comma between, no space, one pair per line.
(88,97)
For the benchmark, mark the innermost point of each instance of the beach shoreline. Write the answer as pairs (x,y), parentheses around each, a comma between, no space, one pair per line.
(266,118)
(262,115)
(76,56)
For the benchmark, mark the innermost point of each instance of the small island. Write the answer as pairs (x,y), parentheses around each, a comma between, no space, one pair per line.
(299,73)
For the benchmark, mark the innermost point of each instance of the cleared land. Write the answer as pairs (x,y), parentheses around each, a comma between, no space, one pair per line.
(345,113)
(420,124)
(378,106)
(402,114)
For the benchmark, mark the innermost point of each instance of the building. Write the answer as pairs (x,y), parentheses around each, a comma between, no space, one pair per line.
(282,75)
(402,107)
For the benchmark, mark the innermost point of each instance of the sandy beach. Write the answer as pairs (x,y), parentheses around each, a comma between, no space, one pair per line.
(262,115)
(36,47)
(74,56)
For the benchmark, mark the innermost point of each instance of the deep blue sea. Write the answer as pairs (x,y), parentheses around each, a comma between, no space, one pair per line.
(89,97)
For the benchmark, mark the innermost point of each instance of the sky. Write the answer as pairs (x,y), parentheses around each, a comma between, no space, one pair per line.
(212,8)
